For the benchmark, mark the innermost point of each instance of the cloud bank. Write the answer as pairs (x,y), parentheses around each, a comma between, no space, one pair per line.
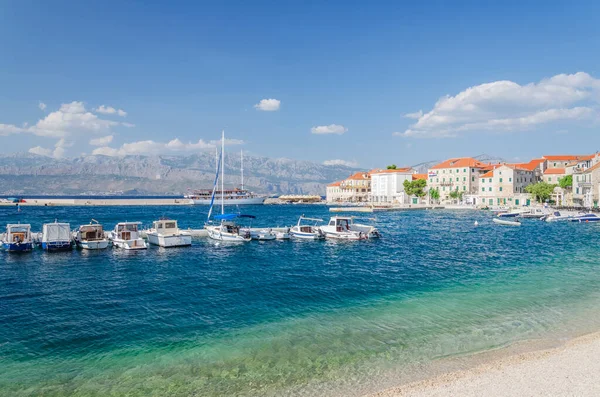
(329,129)
(268,105)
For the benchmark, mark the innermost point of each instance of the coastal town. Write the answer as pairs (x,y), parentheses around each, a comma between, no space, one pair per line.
(563,180)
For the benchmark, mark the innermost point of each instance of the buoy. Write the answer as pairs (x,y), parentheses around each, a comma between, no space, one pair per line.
(476,223)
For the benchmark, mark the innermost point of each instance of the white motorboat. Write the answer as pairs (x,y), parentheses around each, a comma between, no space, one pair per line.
(507,222)
(535,213)
(586,218)
(558,216)
(228,229)
(344,228)
(307,231)
(91,237)
(17,238)
(56,236)
(126,235)
(166,233)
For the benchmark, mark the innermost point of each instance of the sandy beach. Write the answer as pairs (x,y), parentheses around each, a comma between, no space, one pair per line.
(569,370)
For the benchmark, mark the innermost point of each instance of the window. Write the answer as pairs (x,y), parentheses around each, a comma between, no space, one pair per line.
(465,170)
(510,179)
(444,188)
(500,180)
(472,179)
(464,178)
(437,179)
(464,188)
(577,178)
(443,179)
(483,189)
(430,180)
(490,189)
(490,180)
(500,172)
(457,179)
(549,179)
(491,201)
(483,181)
(577,190)
(500,188)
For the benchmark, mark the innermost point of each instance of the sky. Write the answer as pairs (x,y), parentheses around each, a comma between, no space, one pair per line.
(339,82)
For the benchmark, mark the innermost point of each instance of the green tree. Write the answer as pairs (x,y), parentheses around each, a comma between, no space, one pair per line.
(415,188)
(455,194)
(434,194)
(392,167)
(541,190)
(566,182)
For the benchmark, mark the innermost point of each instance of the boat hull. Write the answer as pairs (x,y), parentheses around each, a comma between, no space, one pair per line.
(56,245)
(170,241)
(506,222)
(215,233)
(307,235)
(137,244)
(17,247)
(239,201)
(93,245)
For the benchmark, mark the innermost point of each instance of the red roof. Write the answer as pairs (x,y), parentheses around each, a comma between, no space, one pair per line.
(595,167)
(419,176)
(488,174)
(532,165)
(460,162)
(338,183)
(360,176)
(569,157)
(554,171)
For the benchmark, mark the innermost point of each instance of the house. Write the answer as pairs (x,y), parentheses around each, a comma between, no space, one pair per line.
(356,188)
(586,183)
(387,186)
(505,185)
(552,175)
(456,174)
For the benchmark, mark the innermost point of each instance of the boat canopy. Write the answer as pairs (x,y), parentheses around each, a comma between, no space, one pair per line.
(229,217)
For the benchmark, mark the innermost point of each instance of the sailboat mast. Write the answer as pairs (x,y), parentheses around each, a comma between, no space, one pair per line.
(242,163)
(223,172)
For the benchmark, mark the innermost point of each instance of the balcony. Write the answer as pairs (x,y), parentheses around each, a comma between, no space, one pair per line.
(447,183)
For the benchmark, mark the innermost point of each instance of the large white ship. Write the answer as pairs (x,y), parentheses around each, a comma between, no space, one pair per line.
(230,197)
(226,196)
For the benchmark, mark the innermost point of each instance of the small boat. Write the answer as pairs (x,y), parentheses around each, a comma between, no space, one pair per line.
(308,232)
(17,238)
(283,235)
(260,235)
(344,228)
(534,213)
(126,235)
(557,216)
(91,237)
(56,236)
(166,233)
(589,217)
(228,229)
(507,222)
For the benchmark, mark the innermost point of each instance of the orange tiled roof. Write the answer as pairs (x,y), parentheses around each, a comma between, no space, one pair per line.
(554,171)
(460,162)
(360,176)
(338,183)
(405,169)
(569,157)
(419,176)
(532,165)
(518,166)
(488,174)
(595,167)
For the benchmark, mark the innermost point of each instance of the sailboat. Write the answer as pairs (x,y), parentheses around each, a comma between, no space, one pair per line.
(227,229)
(235,196)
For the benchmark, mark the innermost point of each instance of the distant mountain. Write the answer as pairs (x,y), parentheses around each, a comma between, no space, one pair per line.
(22,174)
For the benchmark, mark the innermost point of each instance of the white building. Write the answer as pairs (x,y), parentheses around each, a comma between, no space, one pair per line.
(387,186)
(457,174)
(505,185)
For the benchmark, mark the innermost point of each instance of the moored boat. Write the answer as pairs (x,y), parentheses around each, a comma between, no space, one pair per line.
(507,222)
(166,233)
(586,218)
(307,231)
(126,235)
(56,236)
(344,228)
(17,238)
(558,216)
(91,236)
(228,229)
(534,213)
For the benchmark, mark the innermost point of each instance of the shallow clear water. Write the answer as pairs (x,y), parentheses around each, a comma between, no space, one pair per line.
(284,317)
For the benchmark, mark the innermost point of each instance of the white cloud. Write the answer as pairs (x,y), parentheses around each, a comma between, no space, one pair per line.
(415,115)
(110,110)
(40,151)
(102,141)
(329,129)
(341,162)
(71,118)
(42,106)
(268,105)
(150,147)
(508,106)
(128,125)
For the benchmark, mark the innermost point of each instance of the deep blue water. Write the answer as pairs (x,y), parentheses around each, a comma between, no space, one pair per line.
(283,317)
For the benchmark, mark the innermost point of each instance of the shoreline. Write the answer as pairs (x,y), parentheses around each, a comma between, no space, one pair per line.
(538,367)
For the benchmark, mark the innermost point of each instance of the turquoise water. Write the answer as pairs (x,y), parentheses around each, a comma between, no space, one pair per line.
(284,317)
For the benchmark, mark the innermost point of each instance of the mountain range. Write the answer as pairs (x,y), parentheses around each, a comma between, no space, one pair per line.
(30,174)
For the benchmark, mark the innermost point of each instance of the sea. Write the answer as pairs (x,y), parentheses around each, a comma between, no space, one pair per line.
(286,318)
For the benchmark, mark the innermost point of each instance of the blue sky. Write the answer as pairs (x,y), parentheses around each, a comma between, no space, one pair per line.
(181,72)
